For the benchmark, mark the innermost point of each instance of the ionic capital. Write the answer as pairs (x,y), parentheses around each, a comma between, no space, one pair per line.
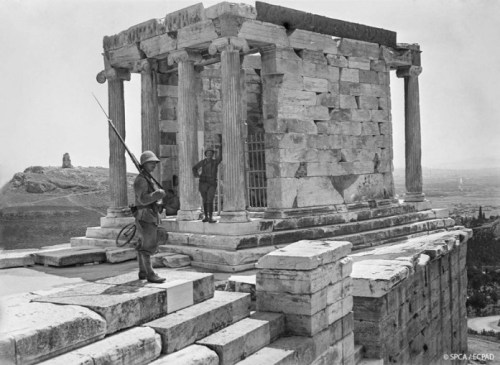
(113,74)
(147,65)
(228,44)
(183,55)
(408,71)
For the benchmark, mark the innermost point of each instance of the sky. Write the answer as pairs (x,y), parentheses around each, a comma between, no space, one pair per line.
(52,52)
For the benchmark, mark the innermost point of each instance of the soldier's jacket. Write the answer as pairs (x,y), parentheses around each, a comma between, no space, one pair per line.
(208,169)
(145,201)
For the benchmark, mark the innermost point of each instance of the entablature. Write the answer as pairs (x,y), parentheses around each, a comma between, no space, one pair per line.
(195,28)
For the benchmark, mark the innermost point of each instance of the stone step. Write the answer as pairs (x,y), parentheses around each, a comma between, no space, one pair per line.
(117,222)
(17,258)
(221,260)
(105,233)
(379,205)
(270,356)
(253,226)
(139,345)
(375,237)
(242,339)
(295,350)
(93,242)
(244,259)
(184,327)
(191,355)
(293,234)
(170,260)
(98,232)
(120,254)
(71,256)
(124,302)
(33,332)
(339,217)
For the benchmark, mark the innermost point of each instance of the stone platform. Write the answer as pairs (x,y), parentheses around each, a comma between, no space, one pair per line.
(109,321)
(361,224)
(317,303)
(234,247)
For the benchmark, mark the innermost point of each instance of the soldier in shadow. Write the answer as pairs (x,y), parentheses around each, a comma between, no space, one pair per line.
(208,180)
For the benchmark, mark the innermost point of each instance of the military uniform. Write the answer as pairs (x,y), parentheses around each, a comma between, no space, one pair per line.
(147,219)
(208,183)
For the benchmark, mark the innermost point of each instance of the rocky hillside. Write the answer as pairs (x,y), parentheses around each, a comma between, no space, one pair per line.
(46,205)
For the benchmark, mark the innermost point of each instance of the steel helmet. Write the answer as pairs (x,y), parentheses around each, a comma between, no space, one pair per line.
(148,156)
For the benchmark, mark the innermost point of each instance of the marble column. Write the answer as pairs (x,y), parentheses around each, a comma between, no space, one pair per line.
(413,145)
(150,125)
(234,206)
(187,135)
(117,162)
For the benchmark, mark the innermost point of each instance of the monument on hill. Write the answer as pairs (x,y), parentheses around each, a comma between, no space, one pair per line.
(66,164)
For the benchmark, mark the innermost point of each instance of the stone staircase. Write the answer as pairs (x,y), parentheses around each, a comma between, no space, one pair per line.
(232,247)
(105,234)
(121,320)
(364,227)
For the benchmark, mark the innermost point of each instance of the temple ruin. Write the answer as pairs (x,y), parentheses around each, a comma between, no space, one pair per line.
(303,106)
(306,192)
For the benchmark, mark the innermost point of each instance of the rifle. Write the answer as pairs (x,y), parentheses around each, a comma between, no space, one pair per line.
(131,155)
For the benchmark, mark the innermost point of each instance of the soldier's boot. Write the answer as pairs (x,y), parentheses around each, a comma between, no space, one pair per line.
(210,213)
(142,269)
(205,212)
(152,277)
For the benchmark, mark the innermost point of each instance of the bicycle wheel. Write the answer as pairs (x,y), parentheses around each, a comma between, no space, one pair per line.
(126,235)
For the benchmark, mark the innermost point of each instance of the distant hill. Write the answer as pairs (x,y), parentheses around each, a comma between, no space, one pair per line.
(46,205)
(462,191)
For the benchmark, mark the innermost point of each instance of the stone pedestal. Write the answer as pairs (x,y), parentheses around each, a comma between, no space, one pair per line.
(233,152)
(187,136)
(150,127)
(117,163)
(309,282)
(413,147)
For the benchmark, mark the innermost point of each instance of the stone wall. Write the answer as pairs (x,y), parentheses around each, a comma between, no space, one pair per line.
(308,281)
(409,300)
(328,124)
(209,112)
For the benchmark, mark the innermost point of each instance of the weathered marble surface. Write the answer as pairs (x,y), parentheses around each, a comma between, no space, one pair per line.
(72,256)
(191,355)
(269,356)
(32,332)
(203,283)
(305,255)
(122,306)
(17,258)
(242,338)
(115,255)
(138,345)
(186,326)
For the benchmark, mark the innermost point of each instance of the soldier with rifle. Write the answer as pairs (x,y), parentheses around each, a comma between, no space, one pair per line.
(147,216)
(146,210)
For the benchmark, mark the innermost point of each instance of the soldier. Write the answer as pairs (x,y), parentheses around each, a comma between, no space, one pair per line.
(208,181)
(147,217)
